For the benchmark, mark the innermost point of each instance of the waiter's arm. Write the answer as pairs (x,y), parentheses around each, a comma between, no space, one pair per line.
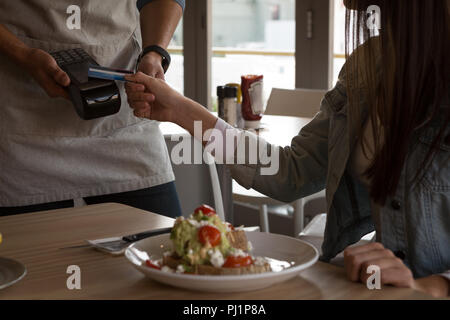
(159,19)
(12,47)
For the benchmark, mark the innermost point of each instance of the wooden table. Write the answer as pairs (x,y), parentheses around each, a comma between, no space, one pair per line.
(35,240)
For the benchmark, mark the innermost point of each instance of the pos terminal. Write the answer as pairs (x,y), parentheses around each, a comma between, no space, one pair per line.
(91,97)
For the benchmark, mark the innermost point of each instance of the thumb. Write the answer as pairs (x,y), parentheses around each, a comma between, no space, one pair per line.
(59,75)
(150,83)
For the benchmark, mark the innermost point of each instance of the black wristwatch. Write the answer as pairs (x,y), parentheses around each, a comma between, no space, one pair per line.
(161,51)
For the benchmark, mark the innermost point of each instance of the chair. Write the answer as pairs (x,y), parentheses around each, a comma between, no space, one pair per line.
(284,102)
(294,102)
(217,193)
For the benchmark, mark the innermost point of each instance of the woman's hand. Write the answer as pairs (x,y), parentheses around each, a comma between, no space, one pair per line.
(44,69)
(153,98)
(392,270)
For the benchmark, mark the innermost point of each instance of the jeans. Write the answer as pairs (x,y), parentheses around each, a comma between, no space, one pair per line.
(162,199)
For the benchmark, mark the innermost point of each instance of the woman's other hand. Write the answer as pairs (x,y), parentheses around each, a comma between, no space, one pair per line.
(392,270)
(152,98)
(44,69)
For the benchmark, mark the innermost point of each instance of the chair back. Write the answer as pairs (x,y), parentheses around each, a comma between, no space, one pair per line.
(215,183)
(294,102)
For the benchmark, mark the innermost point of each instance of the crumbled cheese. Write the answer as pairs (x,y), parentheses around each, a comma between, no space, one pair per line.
(260,261)
(216,258)
(249,246)
(193,222)
(238,253)
(180,269)
(166,269)
(199,224)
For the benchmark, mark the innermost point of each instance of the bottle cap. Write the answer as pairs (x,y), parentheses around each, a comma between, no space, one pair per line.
(239,91)
(230,92)
(221,92)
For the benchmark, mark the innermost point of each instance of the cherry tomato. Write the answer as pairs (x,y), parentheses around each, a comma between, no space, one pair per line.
(152,265)
(236,262)
(206,210)
(209,234)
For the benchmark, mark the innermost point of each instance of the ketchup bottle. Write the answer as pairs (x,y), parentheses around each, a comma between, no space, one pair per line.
(252,108)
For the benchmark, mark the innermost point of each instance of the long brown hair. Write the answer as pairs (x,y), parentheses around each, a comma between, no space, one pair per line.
(404,73)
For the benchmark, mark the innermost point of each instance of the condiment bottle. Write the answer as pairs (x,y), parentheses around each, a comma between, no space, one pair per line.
(230,105)
(252,103)
(239,119)
(220,101)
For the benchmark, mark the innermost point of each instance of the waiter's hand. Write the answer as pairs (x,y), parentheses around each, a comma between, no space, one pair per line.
(151,65)
(44,69)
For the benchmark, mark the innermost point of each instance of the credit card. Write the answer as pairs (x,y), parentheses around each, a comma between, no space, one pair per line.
(108,73)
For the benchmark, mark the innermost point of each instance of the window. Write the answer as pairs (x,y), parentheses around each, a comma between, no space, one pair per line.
(339,38)
(230,38)
(175,74)
(253,37)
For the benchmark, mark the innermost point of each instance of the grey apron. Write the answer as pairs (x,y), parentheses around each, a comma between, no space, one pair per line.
(47,153)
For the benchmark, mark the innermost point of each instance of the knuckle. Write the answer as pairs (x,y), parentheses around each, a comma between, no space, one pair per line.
(51,64)
(409,273)
(389,253)
(377,245)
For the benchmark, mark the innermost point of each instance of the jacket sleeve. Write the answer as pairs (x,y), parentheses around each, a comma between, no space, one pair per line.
(301,168)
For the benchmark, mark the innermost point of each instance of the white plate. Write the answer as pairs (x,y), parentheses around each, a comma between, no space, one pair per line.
(299,254)
(10,272)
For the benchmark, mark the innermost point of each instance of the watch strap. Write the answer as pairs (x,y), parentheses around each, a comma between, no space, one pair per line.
(161,51)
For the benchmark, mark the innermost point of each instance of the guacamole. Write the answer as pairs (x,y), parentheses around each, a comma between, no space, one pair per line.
(186,242)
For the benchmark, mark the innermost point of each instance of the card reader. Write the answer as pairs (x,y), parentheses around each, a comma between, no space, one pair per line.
(92,98)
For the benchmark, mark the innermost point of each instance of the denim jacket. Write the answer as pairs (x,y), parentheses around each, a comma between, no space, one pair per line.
(415,222)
